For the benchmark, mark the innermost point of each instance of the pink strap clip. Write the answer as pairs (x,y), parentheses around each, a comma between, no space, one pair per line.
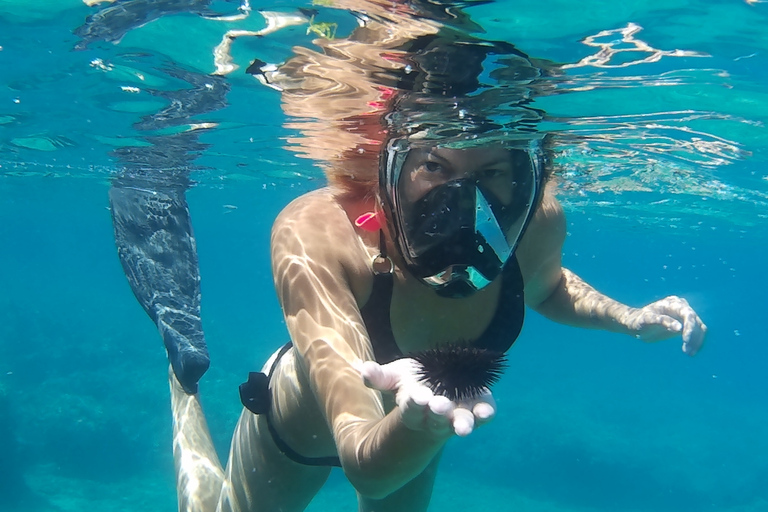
(369,221)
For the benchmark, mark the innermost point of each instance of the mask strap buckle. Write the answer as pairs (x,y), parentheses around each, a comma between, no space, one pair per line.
(381,263)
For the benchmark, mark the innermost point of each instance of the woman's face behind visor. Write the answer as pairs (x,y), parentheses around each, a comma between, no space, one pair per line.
(497,169)
(460,213)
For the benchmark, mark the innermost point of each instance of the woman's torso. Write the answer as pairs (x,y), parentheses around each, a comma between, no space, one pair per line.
(419,319)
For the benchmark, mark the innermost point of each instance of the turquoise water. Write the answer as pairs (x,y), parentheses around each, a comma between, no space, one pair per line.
(662,171)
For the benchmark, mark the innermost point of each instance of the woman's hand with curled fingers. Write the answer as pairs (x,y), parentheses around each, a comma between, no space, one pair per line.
(666,318)
(420,408)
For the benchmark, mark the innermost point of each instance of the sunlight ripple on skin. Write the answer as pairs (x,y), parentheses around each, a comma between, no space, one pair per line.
(199,470)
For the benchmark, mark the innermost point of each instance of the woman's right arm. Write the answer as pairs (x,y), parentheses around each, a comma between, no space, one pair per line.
(315,254)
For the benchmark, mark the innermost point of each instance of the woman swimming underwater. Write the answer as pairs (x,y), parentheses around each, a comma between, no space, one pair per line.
(437,228)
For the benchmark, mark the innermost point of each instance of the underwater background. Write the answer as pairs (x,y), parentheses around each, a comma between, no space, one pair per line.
(663,176)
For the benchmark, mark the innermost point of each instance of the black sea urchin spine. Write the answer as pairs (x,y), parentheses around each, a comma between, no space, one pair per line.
(460,372)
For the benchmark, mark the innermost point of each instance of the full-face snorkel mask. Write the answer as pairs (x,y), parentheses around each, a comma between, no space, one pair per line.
(458,236)
(457,232)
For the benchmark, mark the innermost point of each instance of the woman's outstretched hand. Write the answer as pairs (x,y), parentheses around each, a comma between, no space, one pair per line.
(666,318)
(420,408)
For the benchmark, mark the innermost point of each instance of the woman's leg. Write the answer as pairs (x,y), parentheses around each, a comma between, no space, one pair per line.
(413,497)
(199,474)
(260,478)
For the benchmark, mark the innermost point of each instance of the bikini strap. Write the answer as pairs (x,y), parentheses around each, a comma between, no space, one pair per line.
(254,393)
(257,398)
(375,312)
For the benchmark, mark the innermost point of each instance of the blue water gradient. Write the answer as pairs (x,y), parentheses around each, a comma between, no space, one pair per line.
(587,421)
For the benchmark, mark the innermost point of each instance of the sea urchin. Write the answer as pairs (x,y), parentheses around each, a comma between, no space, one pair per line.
(460,371)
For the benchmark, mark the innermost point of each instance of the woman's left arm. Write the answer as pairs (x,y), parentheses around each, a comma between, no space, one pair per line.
(564,297)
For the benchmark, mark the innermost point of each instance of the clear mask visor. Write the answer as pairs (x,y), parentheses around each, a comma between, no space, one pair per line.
(459,213)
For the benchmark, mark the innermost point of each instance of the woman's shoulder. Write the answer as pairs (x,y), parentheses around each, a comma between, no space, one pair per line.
(314,216)
(307,207)
(548,222)
(540,250)
(316,226)
(550,211)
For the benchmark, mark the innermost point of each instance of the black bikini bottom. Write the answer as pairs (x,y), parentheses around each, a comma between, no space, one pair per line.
(257,398)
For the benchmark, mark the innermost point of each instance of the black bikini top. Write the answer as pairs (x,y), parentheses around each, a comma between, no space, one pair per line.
(501,333)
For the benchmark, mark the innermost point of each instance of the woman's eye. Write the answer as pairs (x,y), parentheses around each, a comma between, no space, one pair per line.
(432,167)
(495,173)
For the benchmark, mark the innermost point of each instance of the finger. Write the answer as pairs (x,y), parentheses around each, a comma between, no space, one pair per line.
(483,407)
(421,395)
(658,327)
(679,309)
(695,341)
(439,416)
(691,322)
(463,421)
(388,377)
(441,406)
(670,305)
(375,376)
(669,323)
(412,396)
(483,412)
(693,328)
(413,403)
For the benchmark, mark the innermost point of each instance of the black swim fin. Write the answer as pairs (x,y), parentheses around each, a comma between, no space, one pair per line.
(158,253)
